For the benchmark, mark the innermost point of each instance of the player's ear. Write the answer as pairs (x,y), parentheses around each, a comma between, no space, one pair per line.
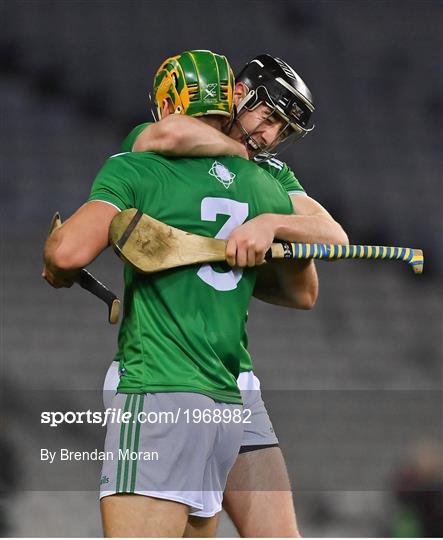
(240,91)
(167,107)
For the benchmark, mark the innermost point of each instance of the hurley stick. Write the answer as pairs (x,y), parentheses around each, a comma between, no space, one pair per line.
(150,246)
(291,250)
(87,281)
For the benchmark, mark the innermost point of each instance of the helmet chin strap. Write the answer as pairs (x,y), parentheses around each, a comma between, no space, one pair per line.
(154,111)
(227,128)
(248,136)
(238,109)
(245,100)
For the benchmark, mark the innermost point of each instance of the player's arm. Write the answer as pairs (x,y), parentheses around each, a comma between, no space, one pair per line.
(280,282)
(78,241)
(248,244)
(291,284)
(310,223)
(82,237)
(178,135)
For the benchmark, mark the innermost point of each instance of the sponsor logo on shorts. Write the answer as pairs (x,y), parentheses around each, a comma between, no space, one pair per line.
(104,480)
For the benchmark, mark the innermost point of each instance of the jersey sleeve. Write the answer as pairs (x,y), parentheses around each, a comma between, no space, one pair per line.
(116,183)
(283,174)
(129,141)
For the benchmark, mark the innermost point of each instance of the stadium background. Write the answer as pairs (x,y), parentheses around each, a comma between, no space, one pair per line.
(354,386)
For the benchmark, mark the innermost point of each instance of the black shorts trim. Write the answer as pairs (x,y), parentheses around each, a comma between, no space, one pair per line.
(252,447)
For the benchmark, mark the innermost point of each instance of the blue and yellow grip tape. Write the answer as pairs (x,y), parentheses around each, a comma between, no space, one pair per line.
(292,250)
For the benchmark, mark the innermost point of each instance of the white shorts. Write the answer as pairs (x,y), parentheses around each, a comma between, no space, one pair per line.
(257,430)
(257,433)
(174,445)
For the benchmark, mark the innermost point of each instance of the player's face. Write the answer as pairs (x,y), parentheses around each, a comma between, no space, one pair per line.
(265,127)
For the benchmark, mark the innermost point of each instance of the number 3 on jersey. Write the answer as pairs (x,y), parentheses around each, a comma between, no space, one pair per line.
(237,212)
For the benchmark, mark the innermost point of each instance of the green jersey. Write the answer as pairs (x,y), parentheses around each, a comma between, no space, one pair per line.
(276,168)
(183,329)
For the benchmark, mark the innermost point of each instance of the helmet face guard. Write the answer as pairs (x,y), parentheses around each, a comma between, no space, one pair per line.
(197,83)
(274,83)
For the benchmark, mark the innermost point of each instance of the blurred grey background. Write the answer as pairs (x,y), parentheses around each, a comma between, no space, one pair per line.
(354,386)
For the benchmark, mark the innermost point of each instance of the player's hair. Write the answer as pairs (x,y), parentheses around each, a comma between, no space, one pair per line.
(197,82)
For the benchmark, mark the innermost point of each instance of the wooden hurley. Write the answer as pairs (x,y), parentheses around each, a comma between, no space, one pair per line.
(150,246)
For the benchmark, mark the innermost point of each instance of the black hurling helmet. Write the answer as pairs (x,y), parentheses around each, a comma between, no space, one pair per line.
(272,81)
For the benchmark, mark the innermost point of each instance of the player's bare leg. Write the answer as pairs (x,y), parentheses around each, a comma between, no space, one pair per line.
(126,515)
(198,527)
(258,496)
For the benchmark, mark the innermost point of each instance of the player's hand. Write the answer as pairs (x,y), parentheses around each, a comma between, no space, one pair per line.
(58,279)
(247,245)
